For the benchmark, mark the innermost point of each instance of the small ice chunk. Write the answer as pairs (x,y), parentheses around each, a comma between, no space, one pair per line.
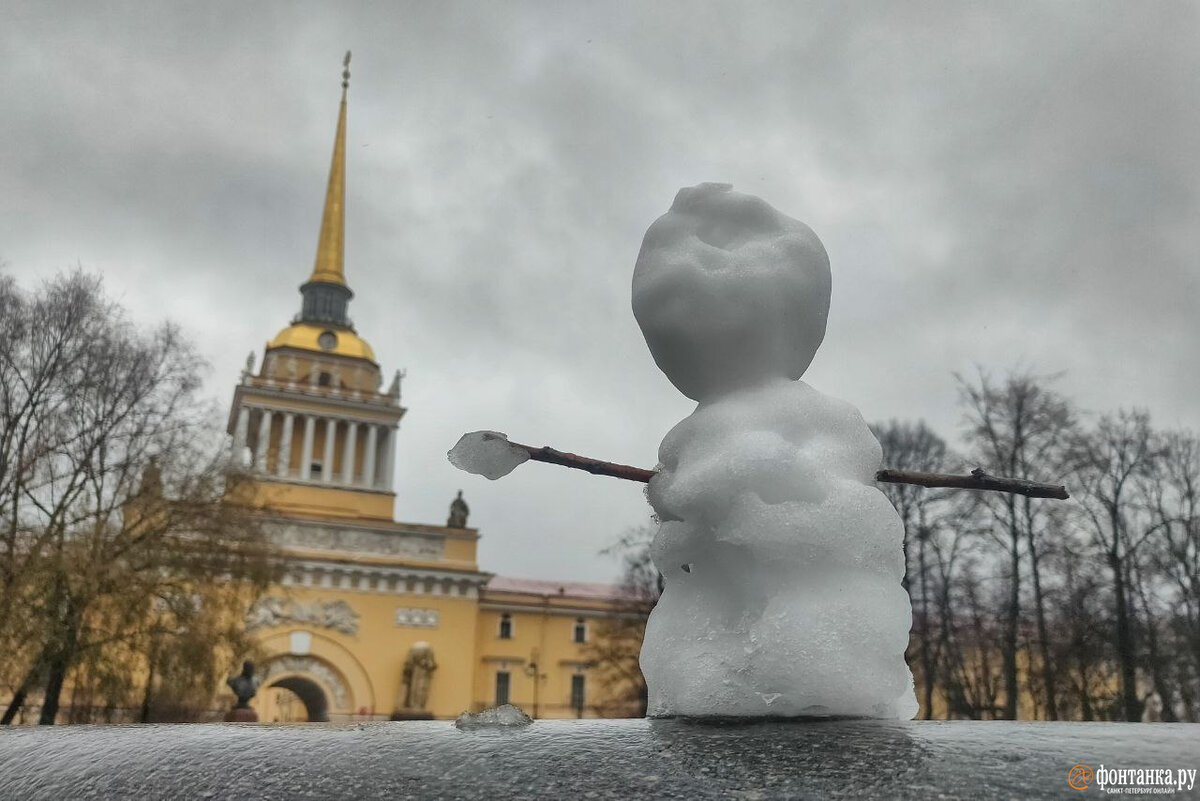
(497,716)
(487,453)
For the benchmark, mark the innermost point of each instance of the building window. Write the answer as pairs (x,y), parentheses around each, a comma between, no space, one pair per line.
(580,630)
(506,626)
(324,380)
(503,680)
(314,470)
(578,693)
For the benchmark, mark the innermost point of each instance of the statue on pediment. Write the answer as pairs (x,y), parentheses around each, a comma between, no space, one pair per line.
(418,674)
(458,512)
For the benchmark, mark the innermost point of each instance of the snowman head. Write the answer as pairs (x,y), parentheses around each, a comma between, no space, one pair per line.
(729,293)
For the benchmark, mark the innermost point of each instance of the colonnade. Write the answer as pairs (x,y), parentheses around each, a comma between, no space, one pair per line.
(377,462)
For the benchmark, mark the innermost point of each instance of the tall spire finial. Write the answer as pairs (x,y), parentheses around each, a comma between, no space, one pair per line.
(329,267)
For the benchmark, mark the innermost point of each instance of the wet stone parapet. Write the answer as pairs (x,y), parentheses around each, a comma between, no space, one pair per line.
(581,759)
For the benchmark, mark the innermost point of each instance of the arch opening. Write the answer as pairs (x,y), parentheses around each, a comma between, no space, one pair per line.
(316,705)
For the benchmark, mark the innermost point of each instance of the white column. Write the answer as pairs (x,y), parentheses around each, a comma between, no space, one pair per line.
(264,440)
(369,457)
(348,453)
(310,425)
(389,464)
(240,431)
(330,436)
(285,445)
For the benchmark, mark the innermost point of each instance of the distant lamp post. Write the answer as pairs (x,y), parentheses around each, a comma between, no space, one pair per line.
(531,670)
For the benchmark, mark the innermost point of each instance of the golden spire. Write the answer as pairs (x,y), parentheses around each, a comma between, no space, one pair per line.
(331,247)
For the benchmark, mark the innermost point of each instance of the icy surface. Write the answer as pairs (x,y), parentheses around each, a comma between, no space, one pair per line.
(487,453)
(503,715)
(728,291)
(578,759)
(782,560)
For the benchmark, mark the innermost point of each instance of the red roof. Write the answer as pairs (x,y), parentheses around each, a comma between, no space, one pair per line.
(571,589)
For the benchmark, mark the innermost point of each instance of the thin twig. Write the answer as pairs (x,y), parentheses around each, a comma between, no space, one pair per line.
(977,480)
(594,466)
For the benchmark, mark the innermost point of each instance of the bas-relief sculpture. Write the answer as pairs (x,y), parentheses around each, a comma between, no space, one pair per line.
(354,540)
(275,611)
(418,618)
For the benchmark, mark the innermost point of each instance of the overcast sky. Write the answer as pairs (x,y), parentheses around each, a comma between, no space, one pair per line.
(1001,184)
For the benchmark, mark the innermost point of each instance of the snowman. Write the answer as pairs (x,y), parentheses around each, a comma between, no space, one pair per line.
(781,559)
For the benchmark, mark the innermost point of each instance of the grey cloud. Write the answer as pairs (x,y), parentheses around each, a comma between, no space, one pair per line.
(994,183)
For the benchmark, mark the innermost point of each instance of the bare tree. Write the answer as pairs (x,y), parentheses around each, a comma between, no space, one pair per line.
(1111,460)
(113,482)
(1021,428)
(615,652)
(914,446)
(1083,645)
(973,676)
(1167,575)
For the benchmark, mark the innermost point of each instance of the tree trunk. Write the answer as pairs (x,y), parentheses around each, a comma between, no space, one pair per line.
(1161,685)
(1085,699)
(57,674)
(1013,616)
(14,706)
(927,679)
(22,691)
(1131,707)
(1157,663)
(145,714)
(1189,703)
(1040,612)
(59,662)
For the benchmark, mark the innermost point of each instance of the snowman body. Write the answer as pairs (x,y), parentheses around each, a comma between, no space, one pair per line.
(781,559)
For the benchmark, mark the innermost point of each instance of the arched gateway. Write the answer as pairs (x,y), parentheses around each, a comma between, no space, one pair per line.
(318,685)
(316,705)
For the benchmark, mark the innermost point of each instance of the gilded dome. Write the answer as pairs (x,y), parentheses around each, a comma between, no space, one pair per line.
(339,342)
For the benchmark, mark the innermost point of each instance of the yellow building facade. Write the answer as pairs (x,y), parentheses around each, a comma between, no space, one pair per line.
(375,618)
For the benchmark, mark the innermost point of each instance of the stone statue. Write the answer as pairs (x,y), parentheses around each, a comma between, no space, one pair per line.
(152,483)
(458,512)
(1152,709)
(418,672)
(244,686)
